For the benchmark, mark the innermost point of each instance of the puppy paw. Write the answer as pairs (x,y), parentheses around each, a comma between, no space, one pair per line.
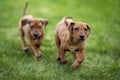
(74,66)
(58,58)
(38,56)
(63,61)
(25,49)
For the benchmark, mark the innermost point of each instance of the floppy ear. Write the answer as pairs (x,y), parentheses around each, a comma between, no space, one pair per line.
(88,27)
(66,23)
(70,27)
(45,22)
(24,22)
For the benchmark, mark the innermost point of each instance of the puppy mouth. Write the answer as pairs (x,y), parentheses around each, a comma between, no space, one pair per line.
(81,39)
(36,37)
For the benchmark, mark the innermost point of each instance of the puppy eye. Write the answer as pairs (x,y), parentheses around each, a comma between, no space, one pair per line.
(76,29)
(85,29)
(31,27)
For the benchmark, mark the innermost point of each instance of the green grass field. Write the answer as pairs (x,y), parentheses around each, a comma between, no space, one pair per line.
(102,52)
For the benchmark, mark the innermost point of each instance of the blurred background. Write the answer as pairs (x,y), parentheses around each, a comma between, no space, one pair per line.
(102,50)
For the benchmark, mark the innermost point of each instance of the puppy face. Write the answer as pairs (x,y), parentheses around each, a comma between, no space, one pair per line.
(36,28)
(79,31)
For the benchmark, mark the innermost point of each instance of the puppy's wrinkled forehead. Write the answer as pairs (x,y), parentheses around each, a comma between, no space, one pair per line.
(36,22)
(80,25)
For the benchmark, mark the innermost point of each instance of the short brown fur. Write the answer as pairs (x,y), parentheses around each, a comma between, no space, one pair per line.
(71,36)
(33,29)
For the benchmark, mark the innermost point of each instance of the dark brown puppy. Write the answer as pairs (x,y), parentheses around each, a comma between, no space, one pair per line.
(33,29)
(71,36)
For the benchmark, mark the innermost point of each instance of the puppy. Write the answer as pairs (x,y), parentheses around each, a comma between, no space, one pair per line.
(33,29)
(71,36)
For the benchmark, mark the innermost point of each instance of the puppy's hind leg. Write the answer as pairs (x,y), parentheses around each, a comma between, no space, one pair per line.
(62,55)
(58,47)
(24,47)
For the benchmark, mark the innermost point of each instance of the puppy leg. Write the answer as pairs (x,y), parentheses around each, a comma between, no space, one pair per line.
(79,57)
(62,55)
(24,47)
(58,47)
(58,54)
(35,49)
(38,43)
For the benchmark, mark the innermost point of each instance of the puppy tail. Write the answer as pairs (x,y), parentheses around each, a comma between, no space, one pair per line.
(24,11)
(67,17)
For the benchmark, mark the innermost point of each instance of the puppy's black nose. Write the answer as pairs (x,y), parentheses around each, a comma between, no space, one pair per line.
(82,36)
(35,35)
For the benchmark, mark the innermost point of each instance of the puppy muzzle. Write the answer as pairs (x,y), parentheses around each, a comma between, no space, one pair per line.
(82,37)
(36,35)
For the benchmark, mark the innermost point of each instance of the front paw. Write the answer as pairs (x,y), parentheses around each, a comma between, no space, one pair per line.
(63,61)
(74,66)
(58,58)
(38,56)
(25,49)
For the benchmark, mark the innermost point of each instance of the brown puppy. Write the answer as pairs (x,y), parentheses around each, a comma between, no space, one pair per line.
(33,29)
(70,36)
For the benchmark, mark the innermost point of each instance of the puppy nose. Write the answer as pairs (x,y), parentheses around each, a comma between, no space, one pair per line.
(35,35)
(82,36)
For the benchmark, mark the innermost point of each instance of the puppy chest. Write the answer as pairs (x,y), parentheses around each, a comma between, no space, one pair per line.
(71,48)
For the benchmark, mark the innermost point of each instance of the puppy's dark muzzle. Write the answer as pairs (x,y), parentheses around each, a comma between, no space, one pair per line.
(35,35)
(82,37)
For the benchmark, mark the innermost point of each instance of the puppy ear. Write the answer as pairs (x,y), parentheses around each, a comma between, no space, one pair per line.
(88,27)
(24,22)
(45,22)
(70,27)
(69,23)
(66,23)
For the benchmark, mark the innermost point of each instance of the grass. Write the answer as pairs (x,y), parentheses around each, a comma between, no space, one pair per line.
(102,50)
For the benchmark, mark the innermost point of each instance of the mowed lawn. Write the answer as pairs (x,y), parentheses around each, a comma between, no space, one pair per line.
(102,51)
